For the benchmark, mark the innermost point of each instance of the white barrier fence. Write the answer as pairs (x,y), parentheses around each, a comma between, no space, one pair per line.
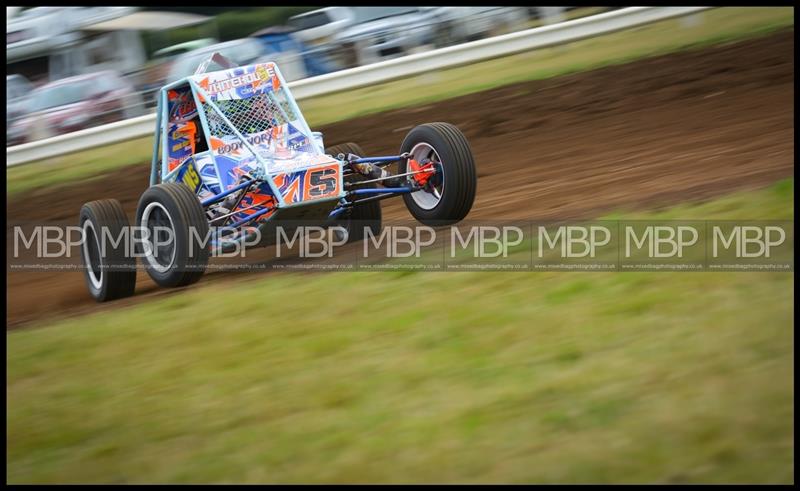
(461,54)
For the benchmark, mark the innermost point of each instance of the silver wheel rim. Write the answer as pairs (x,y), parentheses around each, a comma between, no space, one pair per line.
(95,277)
(428,200)
(156,211)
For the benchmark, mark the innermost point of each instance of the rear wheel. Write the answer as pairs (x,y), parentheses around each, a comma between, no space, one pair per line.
(447,196)
(174,228)
(109,272)
(362,217)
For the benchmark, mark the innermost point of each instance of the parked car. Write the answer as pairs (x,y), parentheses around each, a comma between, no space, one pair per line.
(461,24)
(18,91)
(245,51)
(379,33)
(319,26)
(154,73)
(282,39)
(76,103)
(384,32)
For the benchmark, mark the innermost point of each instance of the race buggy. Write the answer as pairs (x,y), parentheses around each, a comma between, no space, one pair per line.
(232,152)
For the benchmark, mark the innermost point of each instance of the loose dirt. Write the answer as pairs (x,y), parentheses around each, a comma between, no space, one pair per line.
(682,127)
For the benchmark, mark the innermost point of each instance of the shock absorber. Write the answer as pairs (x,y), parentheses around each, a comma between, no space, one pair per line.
(372,171)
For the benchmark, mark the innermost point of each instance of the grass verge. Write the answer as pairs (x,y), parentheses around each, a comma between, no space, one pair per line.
(422,377)
(709,27)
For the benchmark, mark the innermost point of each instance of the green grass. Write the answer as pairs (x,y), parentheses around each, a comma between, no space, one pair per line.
(81,166)
(422,377)
(716,25)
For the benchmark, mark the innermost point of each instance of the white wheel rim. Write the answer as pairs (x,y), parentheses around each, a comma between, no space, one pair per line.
(149,255)
(425,199)
(95,279)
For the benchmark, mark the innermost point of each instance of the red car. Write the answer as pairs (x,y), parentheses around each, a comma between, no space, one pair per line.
(75,103)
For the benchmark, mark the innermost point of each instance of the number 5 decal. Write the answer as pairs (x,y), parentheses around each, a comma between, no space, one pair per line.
(322,182)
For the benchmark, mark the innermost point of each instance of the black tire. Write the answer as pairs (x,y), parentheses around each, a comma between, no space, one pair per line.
(111,275)
(360,217)
(187,257)
(458,178)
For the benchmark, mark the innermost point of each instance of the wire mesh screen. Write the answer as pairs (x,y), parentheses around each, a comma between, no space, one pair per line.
(255,114)
(269,123)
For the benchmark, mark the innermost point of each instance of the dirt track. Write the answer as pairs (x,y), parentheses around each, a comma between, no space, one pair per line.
(681,127)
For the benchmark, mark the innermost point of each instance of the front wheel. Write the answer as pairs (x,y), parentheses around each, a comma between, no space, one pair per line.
(174,232)
(447,196)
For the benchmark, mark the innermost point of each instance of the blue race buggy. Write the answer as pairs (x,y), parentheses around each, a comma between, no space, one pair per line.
(233,152)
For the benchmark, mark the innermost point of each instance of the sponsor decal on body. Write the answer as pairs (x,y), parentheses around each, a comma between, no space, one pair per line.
(208,174)
(223,85)
(181,106)
(189,176)
(222,147)
(240,83)
(181,143)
